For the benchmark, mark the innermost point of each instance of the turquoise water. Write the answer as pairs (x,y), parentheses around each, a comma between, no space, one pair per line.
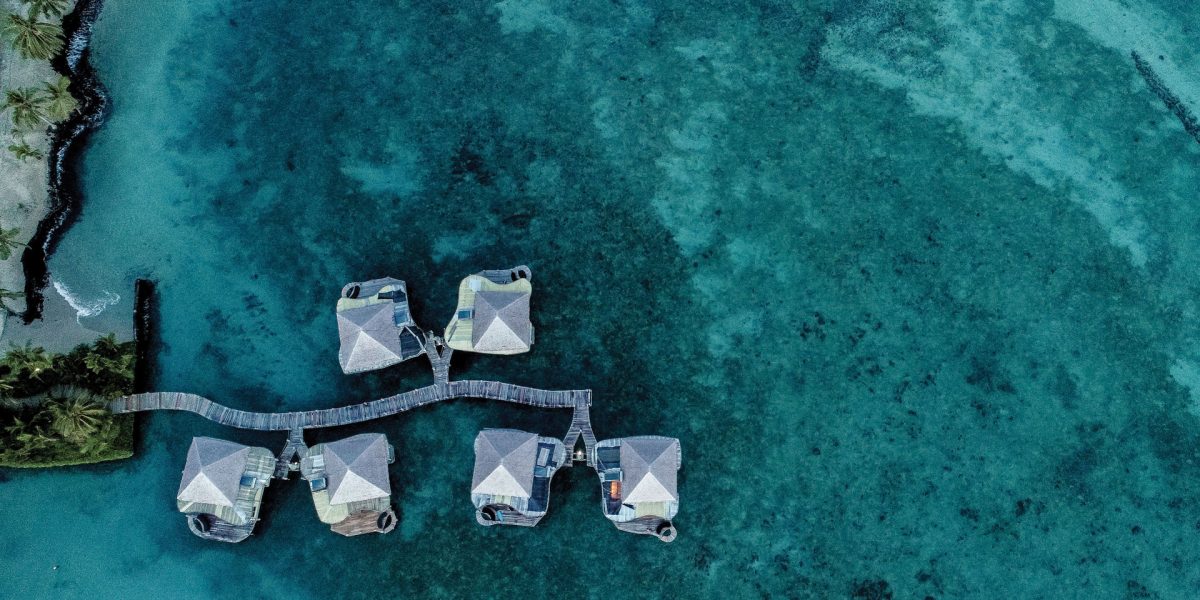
(913,282)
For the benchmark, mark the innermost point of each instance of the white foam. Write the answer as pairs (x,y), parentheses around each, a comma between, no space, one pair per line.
(83,307)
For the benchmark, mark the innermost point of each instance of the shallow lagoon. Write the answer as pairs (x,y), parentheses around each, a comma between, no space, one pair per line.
(914,283)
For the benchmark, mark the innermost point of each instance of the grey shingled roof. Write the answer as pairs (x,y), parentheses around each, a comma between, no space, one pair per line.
(501,322)
(649,467)
(357,468)
(213,472)
(368,338)
(504,460)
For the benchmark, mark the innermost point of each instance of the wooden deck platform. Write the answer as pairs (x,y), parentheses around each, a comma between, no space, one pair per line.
(355,413)
(366,522)
(655,526)
(509,517)
(212,528)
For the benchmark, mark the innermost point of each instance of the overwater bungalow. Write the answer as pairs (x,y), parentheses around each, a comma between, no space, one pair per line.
(638,483)
(222,488)
(375,326)
(511,483)
(349,483)
(493,313)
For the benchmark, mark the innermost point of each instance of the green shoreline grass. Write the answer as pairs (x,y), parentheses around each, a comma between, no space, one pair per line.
(57,412)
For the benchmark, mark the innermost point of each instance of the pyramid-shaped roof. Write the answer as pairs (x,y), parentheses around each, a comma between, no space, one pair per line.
(356,468)
(369,339)
(504,460)
(501,322)
(213,472)
(649,466)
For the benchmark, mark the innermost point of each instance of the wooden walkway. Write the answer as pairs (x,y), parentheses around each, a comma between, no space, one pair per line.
(294,448)
(355,413)
(581,426)
(439,355)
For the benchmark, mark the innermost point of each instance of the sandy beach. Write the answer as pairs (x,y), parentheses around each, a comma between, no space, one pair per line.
(23,183)
(24,201)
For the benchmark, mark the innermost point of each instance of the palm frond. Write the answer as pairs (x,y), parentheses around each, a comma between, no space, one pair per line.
(28,108)
(59,102)
(23,151)
(46,8)
(34,39)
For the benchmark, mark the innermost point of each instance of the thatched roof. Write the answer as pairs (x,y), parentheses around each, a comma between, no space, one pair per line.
(504,460)
(357,468)
(369,338)
(501,322)
(213,472)
(649,467)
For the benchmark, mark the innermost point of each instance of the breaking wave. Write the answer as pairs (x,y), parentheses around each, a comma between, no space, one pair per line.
(83,307)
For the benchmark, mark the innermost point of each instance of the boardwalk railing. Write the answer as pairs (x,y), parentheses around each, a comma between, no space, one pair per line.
(355,413)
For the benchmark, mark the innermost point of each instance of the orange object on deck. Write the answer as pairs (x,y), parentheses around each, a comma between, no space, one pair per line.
(615,490)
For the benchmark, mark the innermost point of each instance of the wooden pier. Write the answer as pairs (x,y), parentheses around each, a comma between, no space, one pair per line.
(439,358)
(295,422)
(292,451)
(354,413)
(581,426)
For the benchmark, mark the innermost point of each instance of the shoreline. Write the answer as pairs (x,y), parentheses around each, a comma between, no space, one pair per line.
(44,197)
(64,194)
(24,182)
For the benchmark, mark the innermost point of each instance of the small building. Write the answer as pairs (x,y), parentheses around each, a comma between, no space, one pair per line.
(375,326)
(638,483)
(511,483)
(493,313)
(349,483)
(222,488)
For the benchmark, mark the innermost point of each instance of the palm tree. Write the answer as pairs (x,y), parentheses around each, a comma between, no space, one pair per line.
(16,427)
(7,295)
(8,241)
(77,417)
(98,359)
(32,441)
(29,108)
(99,441)
(59,101)
(23,151)
(46,8)
(107,345)
(33,38)
(33,360)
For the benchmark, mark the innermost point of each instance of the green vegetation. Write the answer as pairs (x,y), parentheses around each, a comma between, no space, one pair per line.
(9,295)
(34,109)
(32,38)
(52,406)
(23,151)
(28,108)
(8,242)
(46,8)
(59,101)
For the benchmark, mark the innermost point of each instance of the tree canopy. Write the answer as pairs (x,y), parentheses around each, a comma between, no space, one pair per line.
(33,38)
